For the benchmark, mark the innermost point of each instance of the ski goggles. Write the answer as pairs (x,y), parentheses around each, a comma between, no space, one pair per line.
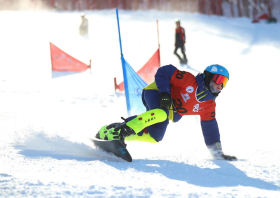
(218,79)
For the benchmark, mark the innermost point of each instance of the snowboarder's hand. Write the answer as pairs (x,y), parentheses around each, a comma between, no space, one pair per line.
(124,130)
(165,100)
(228,157)
(113,125)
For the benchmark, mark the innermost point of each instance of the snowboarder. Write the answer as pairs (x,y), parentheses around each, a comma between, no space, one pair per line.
(174,94)
(84,25)
(180,40)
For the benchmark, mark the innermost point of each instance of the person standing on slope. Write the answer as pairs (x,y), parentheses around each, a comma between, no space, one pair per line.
(173,94)
(84,25)
(180,40)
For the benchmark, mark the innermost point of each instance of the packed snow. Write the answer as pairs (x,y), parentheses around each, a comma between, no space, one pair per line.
(47,118)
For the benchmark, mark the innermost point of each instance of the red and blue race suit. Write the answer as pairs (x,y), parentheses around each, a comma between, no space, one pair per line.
(190,96)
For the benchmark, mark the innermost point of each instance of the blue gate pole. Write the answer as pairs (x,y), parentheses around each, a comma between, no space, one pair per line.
(124,69)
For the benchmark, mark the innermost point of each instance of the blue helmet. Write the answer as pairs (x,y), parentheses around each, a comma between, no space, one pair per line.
(217,69)
(211,70)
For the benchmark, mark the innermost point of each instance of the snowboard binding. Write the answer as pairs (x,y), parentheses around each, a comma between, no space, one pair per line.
(115,131)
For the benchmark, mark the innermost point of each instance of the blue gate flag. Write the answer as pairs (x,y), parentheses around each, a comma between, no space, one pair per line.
(133,85)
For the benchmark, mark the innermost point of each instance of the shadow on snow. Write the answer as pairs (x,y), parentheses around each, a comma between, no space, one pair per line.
(226,175)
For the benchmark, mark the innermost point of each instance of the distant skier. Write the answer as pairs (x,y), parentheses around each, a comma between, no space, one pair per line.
(180,40)
(84,25)
(174,94)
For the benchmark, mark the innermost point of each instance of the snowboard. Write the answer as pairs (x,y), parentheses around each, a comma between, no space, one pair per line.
(113,146)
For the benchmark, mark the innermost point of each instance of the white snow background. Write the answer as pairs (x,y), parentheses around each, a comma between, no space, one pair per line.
(47,118)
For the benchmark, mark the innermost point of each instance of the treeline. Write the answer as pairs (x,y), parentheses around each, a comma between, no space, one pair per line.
(233,8)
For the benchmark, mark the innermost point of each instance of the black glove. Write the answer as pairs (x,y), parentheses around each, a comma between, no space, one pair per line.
(125,130)
(165,100)
(113,125)
(217,152)
(228,157)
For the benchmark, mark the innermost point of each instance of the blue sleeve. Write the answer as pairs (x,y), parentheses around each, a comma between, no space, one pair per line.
(210,131)
(176,117)
(163,77)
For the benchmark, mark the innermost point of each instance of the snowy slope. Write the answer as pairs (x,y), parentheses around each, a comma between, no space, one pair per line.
(46,121)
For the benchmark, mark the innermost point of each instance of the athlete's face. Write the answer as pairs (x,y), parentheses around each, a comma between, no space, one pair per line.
(218,86)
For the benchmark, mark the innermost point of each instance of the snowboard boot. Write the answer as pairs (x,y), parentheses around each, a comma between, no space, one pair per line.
(115,131)
(103,132)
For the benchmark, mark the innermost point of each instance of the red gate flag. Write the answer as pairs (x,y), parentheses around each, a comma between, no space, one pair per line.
(62,61)
(147,72)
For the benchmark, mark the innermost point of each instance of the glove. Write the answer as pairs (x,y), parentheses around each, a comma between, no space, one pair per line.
(165,100)
(224,157)
(228,157)
(217,152)
(118,131)
(113,125)
(124,130)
